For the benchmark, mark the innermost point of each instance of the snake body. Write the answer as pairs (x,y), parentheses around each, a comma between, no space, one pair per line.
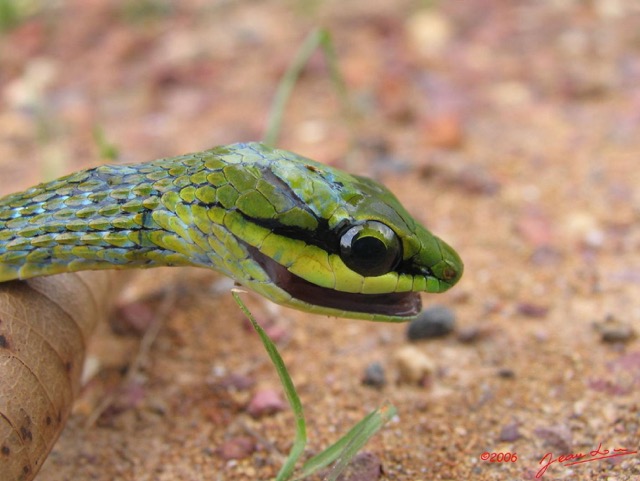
(296,231)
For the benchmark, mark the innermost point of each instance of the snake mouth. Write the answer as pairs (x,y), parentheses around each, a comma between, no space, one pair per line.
(393,304)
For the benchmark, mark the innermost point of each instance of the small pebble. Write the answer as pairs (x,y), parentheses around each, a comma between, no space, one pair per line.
(470,334)
(529,309)
(436,321)
(545,256)
(510,433)
(473,180)
(364,466)
(238,382)
(613,330)
(414,367)
(535,228)
(444,130)
(237,448)
(133,318)
(476,180)
(264,402)
(429,32)
(374,375)
(558,437)
(506,373)
(607,386)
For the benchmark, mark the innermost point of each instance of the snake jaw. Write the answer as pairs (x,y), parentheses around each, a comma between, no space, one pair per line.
(393,304)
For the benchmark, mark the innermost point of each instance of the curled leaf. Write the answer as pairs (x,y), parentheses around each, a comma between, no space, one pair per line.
(45,324)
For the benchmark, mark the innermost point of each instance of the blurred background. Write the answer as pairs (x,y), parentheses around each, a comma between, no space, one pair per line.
(509,128)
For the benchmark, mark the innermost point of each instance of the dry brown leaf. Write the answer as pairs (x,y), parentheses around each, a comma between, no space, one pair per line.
(44,327)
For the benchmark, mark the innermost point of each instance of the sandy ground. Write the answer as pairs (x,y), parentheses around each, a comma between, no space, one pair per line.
(508,128)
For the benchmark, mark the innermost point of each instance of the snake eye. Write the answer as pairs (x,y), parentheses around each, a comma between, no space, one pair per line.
(370,248)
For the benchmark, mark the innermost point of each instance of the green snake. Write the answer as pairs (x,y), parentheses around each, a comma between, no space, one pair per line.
(298,232)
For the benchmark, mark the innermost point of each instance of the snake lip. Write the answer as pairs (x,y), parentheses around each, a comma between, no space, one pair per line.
(395,304)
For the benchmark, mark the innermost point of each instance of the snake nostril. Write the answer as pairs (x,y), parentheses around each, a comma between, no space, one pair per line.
(449,273)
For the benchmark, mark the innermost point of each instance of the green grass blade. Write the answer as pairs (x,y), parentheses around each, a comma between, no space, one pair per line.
(350,444)
(328,48)
(360,437)
(286,85)
(292,396)
(343,450)
(318,38)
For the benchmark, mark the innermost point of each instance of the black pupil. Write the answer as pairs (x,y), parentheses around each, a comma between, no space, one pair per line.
(367,251)
(370,249)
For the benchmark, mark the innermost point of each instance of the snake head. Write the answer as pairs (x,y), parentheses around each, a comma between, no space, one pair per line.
(339,244)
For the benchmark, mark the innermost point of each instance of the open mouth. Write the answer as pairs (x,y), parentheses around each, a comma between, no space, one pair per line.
(400,304)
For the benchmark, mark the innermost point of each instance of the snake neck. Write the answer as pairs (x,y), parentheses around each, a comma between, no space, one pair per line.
(142,215)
